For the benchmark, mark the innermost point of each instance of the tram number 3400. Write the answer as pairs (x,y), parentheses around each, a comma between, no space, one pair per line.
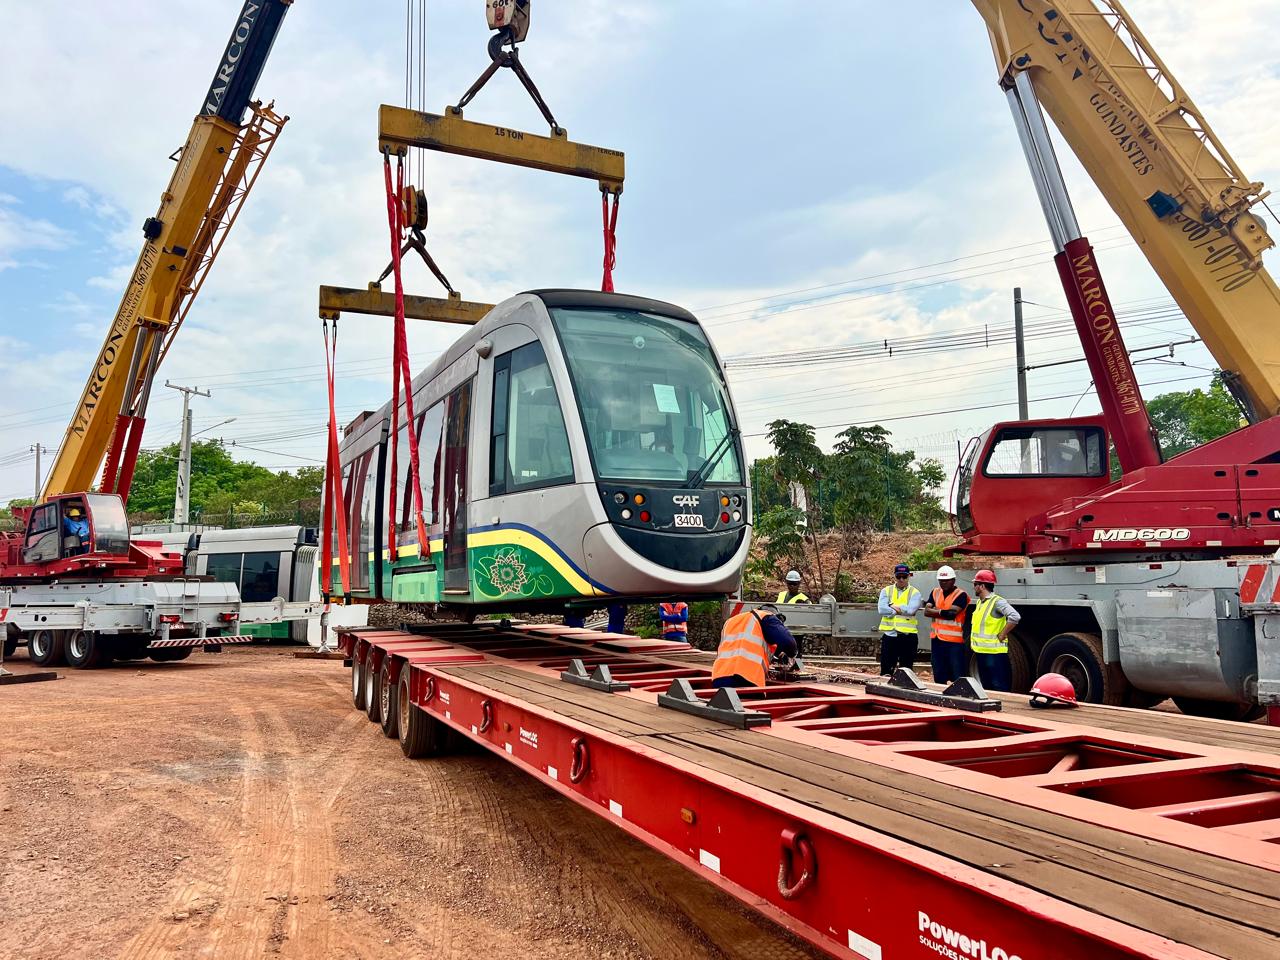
(689,520)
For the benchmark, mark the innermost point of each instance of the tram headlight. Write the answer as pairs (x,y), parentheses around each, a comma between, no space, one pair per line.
(619,497)
(737,515)
(626,514)
(737,501)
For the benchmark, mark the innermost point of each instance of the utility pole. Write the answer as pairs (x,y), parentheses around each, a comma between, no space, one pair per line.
(1023,413)
(38,449)
(182,493)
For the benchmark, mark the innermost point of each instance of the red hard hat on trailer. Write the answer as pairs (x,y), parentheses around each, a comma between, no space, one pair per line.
(1051,689)
(985,576)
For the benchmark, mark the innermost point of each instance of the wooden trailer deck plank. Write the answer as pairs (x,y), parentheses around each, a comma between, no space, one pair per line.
(1218,905)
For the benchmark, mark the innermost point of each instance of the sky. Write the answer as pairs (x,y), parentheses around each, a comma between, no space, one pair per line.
(798,183)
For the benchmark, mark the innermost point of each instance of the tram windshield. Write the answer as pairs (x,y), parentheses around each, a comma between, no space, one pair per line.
(651,396)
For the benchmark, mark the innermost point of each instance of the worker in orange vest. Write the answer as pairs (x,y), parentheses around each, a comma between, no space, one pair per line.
(946,607)
(747,643)
(675,620)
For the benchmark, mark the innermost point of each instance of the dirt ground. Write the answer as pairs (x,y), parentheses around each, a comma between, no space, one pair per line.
(236,806)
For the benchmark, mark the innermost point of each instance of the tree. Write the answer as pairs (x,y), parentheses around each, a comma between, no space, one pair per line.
(799,461)
(1189,418)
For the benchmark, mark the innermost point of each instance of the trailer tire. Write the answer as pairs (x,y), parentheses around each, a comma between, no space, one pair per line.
(130,648)
(1220,710)
(170,654)
(1078,657)
(370,677)
(357,680)
(46,648)
(10,645)
(420,734)
(388,691)
(86,650)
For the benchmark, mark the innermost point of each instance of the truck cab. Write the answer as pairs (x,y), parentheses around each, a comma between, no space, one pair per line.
(73,525)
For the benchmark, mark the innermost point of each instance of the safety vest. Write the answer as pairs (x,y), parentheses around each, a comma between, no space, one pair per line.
(984,636)
(743,650)
(897,622)
(948,631)
(798,598)
(674,609)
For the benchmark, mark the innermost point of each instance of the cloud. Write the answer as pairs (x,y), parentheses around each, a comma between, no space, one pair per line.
(20,233)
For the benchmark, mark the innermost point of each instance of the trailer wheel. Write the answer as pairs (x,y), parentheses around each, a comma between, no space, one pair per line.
(45,648)
(86,650)
(10,644)
(370,677)
(1220,710)
(421,735)
(357,683)
(130,648)
(1078,657)
(170,654)
(388,691)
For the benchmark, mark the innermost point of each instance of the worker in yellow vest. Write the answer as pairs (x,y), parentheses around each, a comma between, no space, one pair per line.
(792,594)
(993,620)
(899,632)
(747,643)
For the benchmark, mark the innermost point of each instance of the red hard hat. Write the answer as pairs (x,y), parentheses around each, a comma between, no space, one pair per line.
(984,576)
(1053,688)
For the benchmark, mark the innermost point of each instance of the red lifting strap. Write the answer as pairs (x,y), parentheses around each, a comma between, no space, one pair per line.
(400,369)
(333,496)
(610,238)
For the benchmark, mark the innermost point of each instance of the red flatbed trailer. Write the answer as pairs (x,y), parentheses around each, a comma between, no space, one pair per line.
(872,826)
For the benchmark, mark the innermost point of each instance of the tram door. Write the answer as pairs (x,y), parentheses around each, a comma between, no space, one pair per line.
(454,480)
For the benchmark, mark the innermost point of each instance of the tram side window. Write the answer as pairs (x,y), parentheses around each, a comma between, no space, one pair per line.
(530,445)
(225,567)
(359,533)
(430,428)
(260,579)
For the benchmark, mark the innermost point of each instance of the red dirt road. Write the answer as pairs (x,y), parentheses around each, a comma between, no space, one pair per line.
(236,806)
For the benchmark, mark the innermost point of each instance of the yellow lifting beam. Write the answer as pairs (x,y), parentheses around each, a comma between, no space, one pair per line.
(374,301)
(400,128)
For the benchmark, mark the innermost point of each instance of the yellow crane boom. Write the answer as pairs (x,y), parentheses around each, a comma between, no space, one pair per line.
(1161,167)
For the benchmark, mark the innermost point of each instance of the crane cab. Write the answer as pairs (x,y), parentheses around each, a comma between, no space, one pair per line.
(1018,470)
(63,528)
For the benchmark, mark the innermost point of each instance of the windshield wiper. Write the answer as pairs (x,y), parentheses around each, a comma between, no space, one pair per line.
(709,464)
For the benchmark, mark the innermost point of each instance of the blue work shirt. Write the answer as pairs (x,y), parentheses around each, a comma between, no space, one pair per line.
(777,635)
(76,526)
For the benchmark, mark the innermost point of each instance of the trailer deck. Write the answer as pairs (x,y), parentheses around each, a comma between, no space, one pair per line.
(875,827)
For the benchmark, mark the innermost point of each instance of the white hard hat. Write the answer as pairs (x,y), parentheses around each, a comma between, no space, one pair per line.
(946,573)
(793,576)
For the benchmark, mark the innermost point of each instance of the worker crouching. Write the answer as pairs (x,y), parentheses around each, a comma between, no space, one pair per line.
(747,643)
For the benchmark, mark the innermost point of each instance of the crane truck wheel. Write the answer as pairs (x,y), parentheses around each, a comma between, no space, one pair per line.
(1078,657)
(371,701)
(357,683)
(1218,710)
(421,735)
(387,693)
(10,643)
(86,650)
(46,649)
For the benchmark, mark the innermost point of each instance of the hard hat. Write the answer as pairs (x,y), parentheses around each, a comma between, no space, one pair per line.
(793,576)
(73,511)
(902,570)
(767,608)
(1053,688)
(984,576)
(946,573)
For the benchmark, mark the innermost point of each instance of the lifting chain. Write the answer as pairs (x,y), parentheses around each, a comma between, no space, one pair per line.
(503,53)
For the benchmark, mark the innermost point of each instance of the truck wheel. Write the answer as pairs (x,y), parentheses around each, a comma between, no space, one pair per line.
(421,735)
(171,654)
(1078,657)
(1019,666)
(45,648)
(357,683)
(1220,710)
(130,648)
(10,644)
(387,693)
(371,702)
(86,650)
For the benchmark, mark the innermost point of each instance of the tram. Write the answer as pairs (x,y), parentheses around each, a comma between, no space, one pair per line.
(575,447)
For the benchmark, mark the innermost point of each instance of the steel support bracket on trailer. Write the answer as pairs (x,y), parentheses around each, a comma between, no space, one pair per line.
(400,128)
(966,693)
(725,705)
(375,302)
(598,679)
